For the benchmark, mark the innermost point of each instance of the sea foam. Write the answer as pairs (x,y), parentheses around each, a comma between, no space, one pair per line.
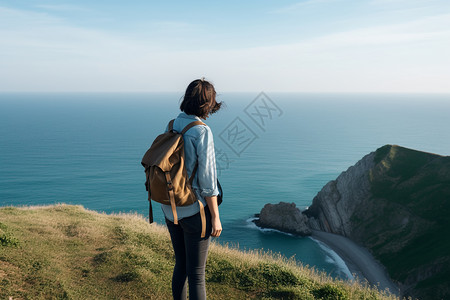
(334,258)
(330,256)
(251,224)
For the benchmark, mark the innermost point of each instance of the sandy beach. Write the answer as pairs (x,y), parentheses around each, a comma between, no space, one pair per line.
(358,260)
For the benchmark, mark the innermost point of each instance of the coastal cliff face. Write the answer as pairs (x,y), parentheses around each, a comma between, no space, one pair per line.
(335,204)
(396,202)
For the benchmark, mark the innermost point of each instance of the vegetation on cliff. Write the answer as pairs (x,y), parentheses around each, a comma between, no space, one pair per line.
(68,252)
(410,229)
(396,202)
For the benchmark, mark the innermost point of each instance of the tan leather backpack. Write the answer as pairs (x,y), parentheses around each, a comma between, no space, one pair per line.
(166,176)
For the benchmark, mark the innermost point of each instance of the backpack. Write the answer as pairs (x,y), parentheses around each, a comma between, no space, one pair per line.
(166,176)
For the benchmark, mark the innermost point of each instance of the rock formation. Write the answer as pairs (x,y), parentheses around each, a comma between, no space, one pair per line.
(336,203)
(395,202)
(285,217)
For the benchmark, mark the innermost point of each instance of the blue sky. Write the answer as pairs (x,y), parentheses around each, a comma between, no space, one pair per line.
(272,46)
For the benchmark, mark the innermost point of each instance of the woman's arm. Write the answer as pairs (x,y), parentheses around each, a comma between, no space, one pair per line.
(215,218)
(207,177)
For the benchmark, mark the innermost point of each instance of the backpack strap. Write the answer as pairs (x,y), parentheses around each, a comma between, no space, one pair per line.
(150,212)
(185,129)
(203,218)
(172,197)
(150,208)
(171,124)
(190,125)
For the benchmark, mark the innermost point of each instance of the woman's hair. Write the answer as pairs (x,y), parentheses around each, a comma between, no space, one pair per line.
(200,99)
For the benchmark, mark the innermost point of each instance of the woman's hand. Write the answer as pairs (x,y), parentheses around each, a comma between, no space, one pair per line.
(215,219)
(216,226)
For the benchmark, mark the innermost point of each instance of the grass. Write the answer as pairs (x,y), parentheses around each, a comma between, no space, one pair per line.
(416,184)
(68,252)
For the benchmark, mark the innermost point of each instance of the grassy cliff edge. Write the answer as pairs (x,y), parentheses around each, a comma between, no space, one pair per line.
(68,252)
(409,231)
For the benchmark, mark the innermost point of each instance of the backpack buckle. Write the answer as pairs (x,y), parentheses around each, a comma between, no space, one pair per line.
(169,181)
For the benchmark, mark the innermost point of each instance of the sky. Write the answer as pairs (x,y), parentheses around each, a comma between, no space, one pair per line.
(329,46)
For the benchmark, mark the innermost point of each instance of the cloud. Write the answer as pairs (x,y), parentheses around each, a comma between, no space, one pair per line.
(35,33)
(49,54)
(173,25)
(301,5)
(420,6)
(428,28)
(403,2)
(18,19)
(62,7)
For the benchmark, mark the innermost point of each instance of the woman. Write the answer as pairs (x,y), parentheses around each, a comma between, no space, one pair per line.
(190,249)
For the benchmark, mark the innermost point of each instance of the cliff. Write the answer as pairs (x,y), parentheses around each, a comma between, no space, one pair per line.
(396,202)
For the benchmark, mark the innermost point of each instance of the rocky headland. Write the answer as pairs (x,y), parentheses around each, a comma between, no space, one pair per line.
(292,220)
(396,203)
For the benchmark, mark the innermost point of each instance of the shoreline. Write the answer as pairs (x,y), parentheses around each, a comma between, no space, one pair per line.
(359,261)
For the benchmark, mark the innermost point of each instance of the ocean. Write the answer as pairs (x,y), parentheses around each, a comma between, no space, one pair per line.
(86,148)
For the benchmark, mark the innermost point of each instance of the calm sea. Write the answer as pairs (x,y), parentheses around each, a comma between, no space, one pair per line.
(86,149)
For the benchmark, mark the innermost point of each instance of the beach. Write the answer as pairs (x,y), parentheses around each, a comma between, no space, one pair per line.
(359,260)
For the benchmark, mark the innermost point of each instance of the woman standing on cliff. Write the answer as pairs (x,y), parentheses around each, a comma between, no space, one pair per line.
(190,249)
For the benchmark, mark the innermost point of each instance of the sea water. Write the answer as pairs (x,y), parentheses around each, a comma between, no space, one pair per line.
(86,149)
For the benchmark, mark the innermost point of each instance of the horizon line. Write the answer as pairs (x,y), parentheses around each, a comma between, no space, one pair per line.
(234,92)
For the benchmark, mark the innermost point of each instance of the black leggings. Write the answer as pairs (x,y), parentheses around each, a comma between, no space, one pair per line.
(191,252)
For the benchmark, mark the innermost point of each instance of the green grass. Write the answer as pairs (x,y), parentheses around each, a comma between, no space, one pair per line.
(68,252)
(417,184)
